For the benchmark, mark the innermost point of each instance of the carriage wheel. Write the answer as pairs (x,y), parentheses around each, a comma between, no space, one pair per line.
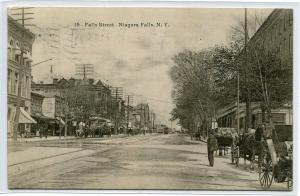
(290,180)
(266,172)
(235,156)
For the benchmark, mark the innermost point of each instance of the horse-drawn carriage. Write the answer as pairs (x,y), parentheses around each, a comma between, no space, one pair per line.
(227,139)
(100,127)
(273,148)
(277,157)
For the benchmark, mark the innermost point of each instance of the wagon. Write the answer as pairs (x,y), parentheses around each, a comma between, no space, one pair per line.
(227,139)
(99,127)
(277,159)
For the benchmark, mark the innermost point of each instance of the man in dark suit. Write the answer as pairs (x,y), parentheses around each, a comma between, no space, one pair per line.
(212,145)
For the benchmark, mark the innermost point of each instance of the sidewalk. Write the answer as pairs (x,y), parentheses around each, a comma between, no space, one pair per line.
(53,138)
(37,139)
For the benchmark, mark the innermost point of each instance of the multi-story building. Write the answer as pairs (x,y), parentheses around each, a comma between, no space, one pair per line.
(93,95)
(19,60)
(275,35)
(142,113)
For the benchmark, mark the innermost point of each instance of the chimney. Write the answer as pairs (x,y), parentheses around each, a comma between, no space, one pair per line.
(55,80)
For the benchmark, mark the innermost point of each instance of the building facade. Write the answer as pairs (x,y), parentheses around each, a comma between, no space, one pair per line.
(226,117)
(275,35)
(19,61)
(83,97)
(36,104)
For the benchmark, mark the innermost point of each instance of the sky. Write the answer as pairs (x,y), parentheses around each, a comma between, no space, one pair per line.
(137,58)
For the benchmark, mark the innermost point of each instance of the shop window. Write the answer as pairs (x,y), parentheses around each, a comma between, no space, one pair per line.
(278,118)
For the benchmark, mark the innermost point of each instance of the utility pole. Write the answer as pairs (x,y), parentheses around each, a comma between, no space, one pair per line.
(117,107)
(116,92)
(238,103)
(153,120)
(141,116)
(128,112)
(21,70)
(248,99)
(85,70)
(145,119)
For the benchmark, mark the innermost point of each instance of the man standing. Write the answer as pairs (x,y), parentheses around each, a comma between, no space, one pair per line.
(212,145)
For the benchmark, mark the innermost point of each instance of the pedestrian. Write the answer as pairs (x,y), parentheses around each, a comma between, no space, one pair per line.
(259,132)
(212,145)
(47,131)
(38,132)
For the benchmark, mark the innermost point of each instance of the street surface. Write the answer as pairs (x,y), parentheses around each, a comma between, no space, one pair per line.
(151,161)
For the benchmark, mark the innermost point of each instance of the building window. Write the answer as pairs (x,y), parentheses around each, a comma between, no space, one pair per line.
(23,87)
(278,118)
(10,50)
(9,80)
(284,22)
(17,58)
(291,17)
(280,27)
(275,32)
(28,64)
(285,45)
(16,84)
(290,44)
(27,87)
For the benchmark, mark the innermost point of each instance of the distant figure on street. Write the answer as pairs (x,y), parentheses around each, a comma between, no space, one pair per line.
(47,131)
(212,145)
(259,132)
(38,132)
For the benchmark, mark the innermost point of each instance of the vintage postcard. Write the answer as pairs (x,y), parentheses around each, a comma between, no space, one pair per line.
(150,98)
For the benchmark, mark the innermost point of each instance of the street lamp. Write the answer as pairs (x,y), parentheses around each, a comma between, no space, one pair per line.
(41,62)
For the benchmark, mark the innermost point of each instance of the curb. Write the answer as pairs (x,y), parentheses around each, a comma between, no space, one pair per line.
(28,141)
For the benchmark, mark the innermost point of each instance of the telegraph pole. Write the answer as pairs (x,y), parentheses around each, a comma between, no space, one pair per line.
(153,120)
(117,107)
(117,93)
(141,116)
(238,103)
(248,99)
(128,108)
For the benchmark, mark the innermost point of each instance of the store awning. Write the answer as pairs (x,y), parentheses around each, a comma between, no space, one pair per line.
(25,117)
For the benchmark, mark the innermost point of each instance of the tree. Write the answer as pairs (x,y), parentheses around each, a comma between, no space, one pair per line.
(193,89)
(272,78)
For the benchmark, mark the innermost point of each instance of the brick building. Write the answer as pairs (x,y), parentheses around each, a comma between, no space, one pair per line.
(275,35)
(88,97)
(19,60)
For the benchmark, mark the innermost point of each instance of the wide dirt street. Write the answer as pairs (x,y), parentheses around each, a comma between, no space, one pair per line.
(155,161)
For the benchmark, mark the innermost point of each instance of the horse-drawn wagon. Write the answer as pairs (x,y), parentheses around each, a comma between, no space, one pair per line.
(100,127)
(227,139)
(277,157)
(272,145)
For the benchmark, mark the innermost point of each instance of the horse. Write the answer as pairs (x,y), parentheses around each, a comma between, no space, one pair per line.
(250,147)
(79,133)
